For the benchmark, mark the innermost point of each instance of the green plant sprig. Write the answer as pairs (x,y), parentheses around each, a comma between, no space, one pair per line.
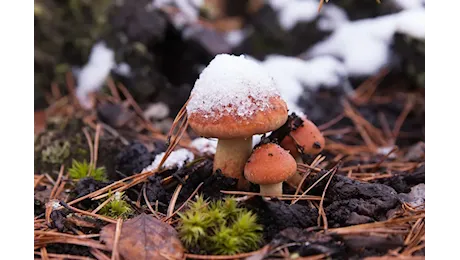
(117,207)
(219,227)
(80,170)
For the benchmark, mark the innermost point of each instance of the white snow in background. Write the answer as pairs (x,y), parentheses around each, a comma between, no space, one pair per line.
(227,83)
(294,11)
(156,111)
(94,73)
(364,44)
(293,74)
(409,4)
(297,11)
(235,37)
(123,69)
(189,10)
(177,159)
(412,23)
(332,17)
(204,145)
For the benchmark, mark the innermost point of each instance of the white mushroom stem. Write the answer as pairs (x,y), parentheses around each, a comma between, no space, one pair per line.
(295,179)
(272,189)
(231,156)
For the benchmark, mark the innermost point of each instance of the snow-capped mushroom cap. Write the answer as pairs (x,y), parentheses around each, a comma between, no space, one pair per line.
(269,164)
(308,136)
(235,97)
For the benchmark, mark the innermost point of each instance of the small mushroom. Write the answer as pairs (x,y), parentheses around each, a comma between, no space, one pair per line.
(308,139)
(234,99)
(269,165)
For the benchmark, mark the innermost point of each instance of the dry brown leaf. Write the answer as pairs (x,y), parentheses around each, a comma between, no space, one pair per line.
(145,237)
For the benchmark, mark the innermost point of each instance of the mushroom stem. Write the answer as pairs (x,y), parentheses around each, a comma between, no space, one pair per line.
(231,156)
(272,189)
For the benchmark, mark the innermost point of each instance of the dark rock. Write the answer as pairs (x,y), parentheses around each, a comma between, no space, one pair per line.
(404,181)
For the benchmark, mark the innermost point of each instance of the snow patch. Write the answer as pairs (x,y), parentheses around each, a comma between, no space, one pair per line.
(177,159)
(416,197)
(297,11)
(123,69)
(156,111)
(204,145)
(409,4)
(94,73)
(364,45)
(293,74)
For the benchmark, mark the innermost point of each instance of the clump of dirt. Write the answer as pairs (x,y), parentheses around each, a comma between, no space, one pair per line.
(276,215)
(132,159)
(350,202)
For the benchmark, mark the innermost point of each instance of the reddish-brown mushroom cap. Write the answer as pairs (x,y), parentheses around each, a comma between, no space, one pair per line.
(269,164)
(308,136)
(228,125)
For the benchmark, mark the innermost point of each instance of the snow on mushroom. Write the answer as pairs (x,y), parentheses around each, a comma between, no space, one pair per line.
(233,99)
(268,166)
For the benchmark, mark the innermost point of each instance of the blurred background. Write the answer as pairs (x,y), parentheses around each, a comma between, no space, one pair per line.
(318,52)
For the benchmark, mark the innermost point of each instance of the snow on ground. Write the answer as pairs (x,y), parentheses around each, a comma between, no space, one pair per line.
(293,74)
(364,45)
(94,73)
(204,145)
(409,4)
(294,11)
(177,159)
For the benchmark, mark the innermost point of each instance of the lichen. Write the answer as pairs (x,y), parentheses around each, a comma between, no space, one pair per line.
(56,152)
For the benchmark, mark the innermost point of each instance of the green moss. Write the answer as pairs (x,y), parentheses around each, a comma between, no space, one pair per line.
(117,208)
(81,170)
(56,152)
(219,227)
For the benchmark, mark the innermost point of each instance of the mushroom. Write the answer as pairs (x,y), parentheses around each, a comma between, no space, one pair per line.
(268,166)
(233,99)
(308,139)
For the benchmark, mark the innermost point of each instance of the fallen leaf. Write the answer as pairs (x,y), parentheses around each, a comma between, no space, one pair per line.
(145,237)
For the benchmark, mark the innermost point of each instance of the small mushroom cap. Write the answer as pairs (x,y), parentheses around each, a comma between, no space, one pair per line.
(307,136)
(269,164)
(235,97)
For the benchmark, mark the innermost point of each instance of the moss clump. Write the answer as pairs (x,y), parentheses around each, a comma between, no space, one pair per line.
(56,152)
(219,227)
(117,208)
(80,170)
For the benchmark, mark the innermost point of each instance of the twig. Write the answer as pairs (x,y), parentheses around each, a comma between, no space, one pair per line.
(332,122)
(314,184)
(58,181)
(115,254)
(98,254)
(322,213)
(96,144)
(91,150)
(148,203)
(172,203)
(185,202)
(400,121)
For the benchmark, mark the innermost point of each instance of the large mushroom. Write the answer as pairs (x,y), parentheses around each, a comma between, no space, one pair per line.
(305,138)
(268,166)
(233,99)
